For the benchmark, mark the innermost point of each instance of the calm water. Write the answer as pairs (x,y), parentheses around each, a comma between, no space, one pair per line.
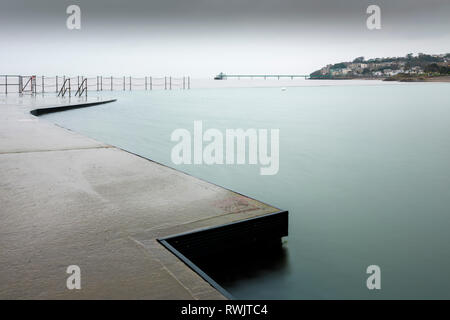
(364,173)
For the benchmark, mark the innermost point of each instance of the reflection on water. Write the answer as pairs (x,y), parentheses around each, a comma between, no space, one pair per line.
(231,268)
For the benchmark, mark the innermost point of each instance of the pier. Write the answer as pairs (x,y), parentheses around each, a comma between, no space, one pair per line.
(223,76)
(70,200)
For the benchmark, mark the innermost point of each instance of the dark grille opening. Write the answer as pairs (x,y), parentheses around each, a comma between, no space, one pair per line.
(226,254)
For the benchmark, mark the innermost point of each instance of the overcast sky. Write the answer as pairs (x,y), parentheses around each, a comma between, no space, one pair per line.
(204,37)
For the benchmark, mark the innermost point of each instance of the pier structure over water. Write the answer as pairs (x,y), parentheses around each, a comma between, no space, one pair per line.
(223,76)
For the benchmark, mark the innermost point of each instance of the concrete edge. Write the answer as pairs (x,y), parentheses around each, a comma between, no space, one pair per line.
(186,260)
(41,111)
(196,269)
(201,179)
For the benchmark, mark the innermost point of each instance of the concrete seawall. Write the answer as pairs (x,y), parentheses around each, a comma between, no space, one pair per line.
(69,200)
(40,111)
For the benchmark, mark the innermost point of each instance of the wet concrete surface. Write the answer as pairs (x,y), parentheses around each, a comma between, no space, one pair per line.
(66,200)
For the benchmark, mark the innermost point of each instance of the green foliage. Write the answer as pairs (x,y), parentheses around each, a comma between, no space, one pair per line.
(315,73)
(434,68)
(427,58)
(430,64)
(339,66)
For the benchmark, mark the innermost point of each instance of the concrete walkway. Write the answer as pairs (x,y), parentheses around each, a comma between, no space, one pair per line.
(66,200)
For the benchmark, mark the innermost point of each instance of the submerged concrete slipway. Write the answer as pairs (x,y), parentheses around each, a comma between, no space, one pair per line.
(69,200)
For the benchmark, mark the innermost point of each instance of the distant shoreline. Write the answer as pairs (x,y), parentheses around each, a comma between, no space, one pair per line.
(417,78)
(348,78)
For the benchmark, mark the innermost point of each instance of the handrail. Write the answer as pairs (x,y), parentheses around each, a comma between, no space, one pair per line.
(39,84)
(64,89)
(22,87)
(31,81)
(82,88)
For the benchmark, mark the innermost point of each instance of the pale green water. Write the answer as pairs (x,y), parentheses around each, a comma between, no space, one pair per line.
(364,173)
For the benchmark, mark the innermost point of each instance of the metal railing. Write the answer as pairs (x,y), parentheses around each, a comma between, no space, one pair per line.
(63,85)
(18,81)
(29,86)
(82,88)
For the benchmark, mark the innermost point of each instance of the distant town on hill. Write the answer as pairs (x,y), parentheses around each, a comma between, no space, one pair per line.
(397,68)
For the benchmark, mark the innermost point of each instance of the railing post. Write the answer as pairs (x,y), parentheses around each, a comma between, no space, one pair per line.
(145,83)
(183,83)
(69,89)
(123,83)
(170,83)
(189,82)
(43,85)
(6,84)
(86,87)
(165,83)
(97,82)
(111,83)
(101,83)
(130,83)
(151,83)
